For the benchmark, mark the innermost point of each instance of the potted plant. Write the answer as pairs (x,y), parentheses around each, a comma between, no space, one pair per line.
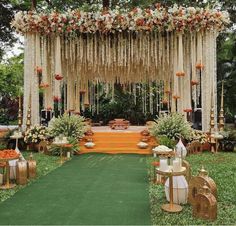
(34,135)
(172,126)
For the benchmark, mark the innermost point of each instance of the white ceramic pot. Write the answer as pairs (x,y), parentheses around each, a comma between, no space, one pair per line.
(180,190)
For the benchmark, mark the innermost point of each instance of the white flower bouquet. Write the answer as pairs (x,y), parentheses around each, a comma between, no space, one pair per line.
(35,134)
(172,126)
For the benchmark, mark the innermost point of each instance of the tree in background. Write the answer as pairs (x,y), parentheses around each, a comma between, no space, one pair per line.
(11,82)
(226,66)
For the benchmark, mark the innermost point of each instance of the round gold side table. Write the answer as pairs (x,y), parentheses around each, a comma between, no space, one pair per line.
(171,207)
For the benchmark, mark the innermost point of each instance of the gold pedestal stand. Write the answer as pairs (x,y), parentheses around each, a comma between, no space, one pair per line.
(61,145)
(8,185)
(162,154)
(171,207)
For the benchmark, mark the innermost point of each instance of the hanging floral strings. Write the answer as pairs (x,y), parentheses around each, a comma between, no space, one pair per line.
(77,51)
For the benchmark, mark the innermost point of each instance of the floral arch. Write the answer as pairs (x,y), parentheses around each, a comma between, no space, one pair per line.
(73,51)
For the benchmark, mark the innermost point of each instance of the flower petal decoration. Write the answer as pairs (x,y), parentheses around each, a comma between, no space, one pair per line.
(168,92)
(180,73)
(176,97)
(58,77)
(43,85)
(194,82)
(160,18)
(56,99)
(49,108)
(39,70)
(164,101)
(188,110)
(199,66)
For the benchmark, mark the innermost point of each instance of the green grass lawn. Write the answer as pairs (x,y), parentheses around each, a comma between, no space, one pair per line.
(45,164)
(222,169)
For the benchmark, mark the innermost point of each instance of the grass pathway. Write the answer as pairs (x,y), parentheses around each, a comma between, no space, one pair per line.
(90,189)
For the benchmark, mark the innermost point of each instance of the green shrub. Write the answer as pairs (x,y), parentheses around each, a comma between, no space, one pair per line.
(70,126)
(172,126)
(168,142)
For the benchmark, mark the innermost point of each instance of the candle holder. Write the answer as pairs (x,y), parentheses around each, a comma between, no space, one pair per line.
(28,121)
(212,125)
(20,115)
(221,116)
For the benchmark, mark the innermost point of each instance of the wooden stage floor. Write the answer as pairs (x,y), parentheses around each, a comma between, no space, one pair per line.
(108,129)
(111,141)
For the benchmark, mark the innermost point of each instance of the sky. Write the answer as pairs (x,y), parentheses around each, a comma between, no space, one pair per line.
(16,49)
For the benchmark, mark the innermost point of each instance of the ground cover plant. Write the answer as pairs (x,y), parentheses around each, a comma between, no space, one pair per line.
(222,169)
(45,164)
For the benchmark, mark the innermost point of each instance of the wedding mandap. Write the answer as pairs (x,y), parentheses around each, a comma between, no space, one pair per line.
(69,55)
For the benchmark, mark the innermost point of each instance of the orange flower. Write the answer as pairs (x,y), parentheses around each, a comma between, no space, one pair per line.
(199,66)
(8,154)
(167,91)
(187,110)
(140,22)
(56,99)
(180,73)
(165,101)
(49,108)
(43,85)
(39,70)
(194,82)
(155,163)
(176,97)
(58,77)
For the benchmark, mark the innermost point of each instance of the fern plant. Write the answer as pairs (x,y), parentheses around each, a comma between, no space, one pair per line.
(172,126)
(70,126)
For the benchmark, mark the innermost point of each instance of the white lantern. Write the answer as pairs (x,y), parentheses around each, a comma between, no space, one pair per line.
(180,190)
(181,150)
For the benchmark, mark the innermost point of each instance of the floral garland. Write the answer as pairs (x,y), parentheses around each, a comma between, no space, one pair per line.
(176,18)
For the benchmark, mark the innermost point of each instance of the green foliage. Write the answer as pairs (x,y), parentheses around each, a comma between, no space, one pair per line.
(70,126)
(221,168)
(226,67)
(45,164)
(11,77)
(123,106)
(164,140)
(172,126)
(11,82)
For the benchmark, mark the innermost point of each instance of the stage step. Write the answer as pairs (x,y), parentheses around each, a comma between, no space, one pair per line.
(117,142)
